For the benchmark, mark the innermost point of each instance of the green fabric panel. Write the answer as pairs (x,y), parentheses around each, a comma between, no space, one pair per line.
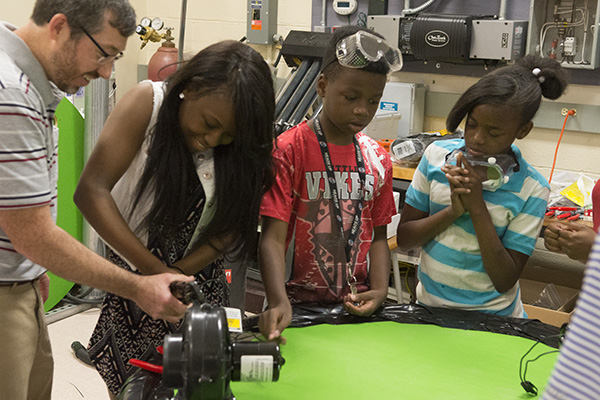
(389,360)
(70,156)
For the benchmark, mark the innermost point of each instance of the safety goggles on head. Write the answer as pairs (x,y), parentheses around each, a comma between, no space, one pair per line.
(363,48)
(500,167)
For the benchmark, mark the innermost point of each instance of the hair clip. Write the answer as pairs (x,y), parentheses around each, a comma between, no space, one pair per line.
(536,72)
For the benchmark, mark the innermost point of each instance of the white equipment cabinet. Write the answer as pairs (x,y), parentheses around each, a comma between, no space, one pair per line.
(400,111)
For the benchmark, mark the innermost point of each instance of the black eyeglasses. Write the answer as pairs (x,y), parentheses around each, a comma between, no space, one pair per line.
(106,58)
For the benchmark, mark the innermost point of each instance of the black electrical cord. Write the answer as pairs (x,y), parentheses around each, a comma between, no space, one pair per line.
(276,63)
(81,353)
(80,298)
(362,19)
(528,386)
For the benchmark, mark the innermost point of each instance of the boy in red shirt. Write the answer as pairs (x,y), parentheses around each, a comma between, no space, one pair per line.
(327,172)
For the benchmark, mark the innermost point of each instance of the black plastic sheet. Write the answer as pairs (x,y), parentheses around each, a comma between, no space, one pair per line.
(444,317)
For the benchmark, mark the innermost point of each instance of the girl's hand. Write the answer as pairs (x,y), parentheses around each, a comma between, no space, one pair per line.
(457,179)
(473,197)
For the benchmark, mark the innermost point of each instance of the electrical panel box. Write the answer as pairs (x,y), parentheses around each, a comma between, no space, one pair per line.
(498,39)
(261,23)
(400,112)
(386,25)
(565,30)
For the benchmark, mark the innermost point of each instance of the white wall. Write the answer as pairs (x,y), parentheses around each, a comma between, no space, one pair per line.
(17,14)
(210,21)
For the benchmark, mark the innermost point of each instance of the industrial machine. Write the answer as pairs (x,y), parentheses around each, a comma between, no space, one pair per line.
(201,361)
(564,30)
(303,52)
(454,38)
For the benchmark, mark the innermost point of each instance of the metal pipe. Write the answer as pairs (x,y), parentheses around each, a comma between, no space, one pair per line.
(285,87)
(308,100)
(181,31)
(289,91)
(324,14)
(96,102)
(311,76)
(502,14)
(417,9)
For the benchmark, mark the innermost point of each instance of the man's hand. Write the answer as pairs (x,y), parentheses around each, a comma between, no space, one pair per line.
(273,321)
(152,294)
(365,303)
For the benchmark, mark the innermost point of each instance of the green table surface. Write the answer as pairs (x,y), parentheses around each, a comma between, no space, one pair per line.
(390,360)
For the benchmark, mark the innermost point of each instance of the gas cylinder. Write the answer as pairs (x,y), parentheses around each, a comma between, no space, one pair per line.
(163,63)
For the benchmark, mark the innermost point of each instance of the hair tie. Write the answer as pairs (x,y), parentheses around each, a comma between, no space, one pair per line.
(536,72)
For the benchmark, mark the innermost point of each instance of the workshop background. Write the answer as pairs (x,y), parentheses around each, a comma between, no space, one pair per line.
(207,22)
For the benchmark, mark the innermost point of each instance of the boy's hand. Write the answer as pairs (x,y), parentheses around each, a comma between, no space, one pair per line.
(365,303)
(273,321)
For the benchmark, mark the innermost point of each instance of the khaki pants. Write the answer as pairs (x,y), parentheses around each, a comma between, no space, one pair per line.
(26,364)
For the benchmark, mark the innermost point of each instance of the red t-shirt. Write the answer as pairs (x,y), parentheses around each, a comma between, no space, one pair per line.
(301,198)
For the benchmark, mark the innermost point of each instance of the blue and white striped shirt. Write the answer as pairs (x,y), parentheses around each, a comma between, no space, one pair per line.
(576,374)
(28,143)
(451,273)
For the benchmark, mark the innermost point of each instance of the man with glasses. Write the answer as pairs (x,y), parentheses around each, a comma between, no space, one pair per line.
(65,45)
